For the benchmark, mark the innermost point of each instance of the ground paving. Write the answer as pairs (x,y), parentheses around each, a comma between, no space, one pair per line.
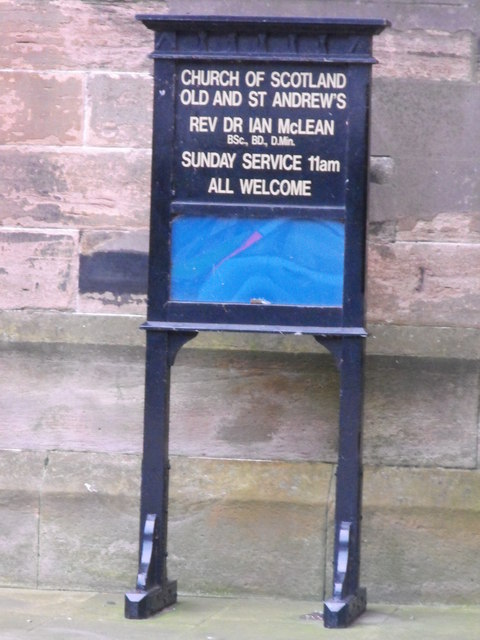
(65,615)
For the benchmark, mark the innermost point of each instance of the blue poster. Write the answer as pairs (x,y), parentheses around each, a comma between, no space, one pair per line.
(282,261)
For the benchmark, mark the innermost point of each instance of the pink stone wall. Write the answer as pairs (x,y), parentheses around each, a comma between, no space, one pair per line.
(75,130)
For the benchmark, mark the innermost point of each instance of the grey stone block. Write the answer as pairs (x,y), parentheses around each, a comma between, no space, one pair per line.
(415,123)
(423,187)
(89,521)
(448,15)
(248,526)
(421,412)
(21,475)
(420,118)
(82,398)
(421,535)
(116,119)
(234,526)
(254,405)
(238,404)
(123,330)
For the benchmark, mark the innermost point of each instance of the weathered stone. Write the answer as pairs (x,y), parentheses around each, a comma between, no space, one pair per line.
(419,119)
(427,283)
(421,412)
(89,521)
(239,526)
(75,34)
(386,340)
(421,535)
(38,269)
(48,326)
(248,527)
(426,186)
(430,342)
(79,398)
(235,526)
(445,15)
(21,474)
(99,188)
(237,404)
(254,405)
(436,55)
(42,108)
(415,122)
(112,303)
(113,271)
(121,110)
(445,227)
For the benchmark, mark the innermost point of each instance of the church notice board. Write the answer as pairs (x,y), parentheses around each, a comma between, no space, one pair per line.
(258,216)
(259,173)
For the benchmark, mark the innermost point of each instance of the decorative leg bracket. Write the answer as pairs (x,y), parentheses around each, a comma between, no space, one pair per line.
(153,593)
(348,600)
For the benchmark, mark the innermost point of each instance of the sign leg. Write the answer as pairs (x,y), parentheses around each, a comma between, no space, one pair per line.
(349,599)
(154,591)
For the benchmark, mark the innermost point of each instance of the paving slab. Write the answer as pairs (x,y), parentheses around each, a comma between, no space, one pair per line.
(26,614)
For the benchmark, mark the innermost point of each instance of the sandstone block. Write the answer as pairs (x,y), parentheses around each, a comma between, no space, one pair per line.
(251,527)
(73,34)
(421,412)
(251,405)
(113,271)
(21,475)
(414,123)
(419,118)
(241,405)
(65,328)
(236,404)
(89,521)
(44,108)
(436,55)
(427,342)
(248,527)
(124,330)
(455,227)
(420,535)
(121,110)
(427,283)
(444,15)
(38,269)
(79,398)
(425,186)
(81,189)
(238,526)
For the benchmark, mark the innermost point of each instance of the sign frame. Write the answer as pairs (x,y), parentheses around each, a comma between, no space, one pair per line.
(251,41)
(254,43)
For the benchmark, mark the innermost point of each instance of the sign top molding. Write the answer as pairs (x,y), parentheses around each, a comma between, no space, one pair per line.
(221,37)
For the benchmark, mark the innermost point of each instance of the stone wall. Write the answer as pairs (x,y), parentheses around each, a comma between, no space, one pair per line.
(254,420)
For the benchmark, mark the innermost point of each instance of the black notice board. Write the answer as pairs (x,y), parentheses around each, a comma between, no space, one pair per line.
(258,216)
(259,173)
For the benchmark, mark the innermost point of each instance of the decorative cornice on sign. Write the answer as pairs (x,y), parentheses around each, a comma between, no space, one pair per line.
(216,38)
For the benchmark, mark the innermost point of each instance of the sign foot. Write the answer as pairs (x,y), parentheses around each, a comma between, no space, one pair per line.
(338,614)
(153,591)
